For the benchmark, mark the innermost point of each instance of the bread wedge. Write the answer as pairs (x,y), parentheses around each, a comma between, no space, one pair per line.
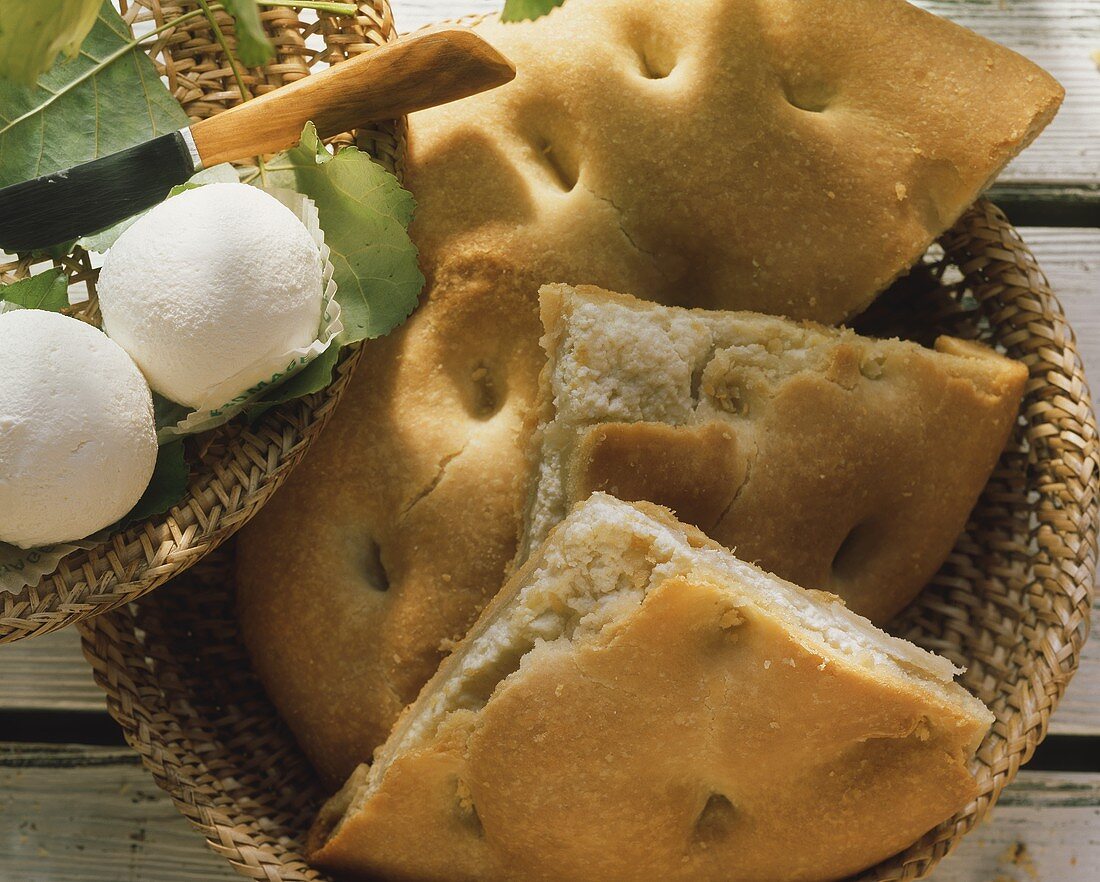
(637,703)
(837,461)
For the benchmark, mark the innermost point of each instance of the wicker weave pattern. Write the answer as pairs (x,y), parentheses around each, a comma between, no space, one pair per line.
(1012,602)
(235,468)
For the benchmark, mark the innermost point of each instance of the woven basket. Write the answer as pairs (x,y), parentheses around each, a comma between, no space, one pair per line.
(1011,604)
(237,467)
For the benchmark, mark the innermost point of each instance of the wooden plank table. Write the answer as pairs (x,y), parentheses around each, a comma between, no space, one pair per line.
(76,805)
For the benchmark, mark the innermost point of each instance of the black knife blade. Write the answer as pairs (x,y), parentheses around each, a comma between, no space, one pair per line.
(89,197)
(407,75)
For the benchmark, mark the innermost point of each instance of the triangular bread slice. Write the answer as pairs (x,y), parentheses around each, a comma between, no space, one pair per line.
(637,703)
(836,461)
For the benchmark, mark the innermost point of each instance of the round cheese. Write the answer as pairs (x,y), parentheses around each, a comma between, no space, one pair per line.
(210,286)
(77,438)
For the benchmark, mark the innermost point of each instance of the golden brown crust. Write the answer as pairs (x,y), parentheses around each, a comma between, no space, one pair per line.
(697,739)
(729,154)
(705,187)
(836,461)
(414,478)
(692,470)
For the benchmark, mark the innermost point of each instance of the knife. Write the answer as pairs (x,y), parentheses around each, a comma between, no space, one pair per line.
(398,78)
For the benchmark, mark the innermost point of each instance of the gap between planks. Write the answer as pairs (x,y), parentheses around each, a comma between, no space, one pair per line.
(92,814)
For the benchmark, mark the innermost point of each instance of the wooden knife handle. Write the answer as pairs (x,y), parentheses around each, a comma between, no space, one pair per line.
(398,78)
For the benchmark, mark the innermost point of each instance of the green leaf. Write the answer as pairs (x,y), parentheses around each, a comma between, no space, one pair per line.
(106,99)
(167,486)
(522,10)
(48,290)
(253,46)
(365,215)
(57,251)
(33,32)
(167,413)
(314,377)
(105,238)
(99,242)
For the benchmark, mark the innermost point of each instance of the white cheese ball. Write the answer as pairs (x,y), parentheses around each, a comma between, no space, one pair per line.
(210,285)
(77,438)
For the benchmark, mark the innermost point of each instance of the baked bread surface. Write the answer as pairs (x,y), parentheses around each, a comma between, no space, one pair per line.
(837,461)
(639,704)
(647,147)
(790,157)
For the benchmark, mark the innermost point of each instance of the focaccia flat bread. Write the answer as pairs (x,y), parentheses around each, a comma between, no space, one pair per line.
(785,156)
(637,703)
(705,187)
(836,461)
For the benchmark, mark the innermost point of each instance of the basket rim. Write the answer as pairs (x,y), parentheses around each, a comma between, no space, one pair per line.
(225,492)
(985,246)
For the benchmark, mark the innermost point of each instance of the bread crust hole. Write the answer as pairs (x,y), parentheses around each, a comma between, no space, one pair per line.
(565,174)
(652,67)
(716,818)
(487,397)
(808,98)
(851,553)
(372,568)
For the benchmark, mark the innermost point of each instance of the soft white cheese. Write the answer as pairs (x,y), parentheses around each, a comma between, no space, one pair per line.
(210,285)
(77,438)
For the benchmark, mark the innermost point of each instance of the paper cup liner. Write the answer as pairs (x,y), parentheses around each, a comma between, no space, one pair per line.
(229,398)
(20,567)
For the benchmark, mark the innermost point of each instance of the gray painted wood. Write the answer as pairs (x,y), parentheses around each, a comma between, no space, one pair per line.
(47,673)
(1046,828)
(92,814)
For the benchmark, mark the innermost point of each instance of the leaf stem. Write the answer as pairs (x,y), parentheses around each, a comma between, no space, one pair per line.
(234,65)
(168,25)
(321,5)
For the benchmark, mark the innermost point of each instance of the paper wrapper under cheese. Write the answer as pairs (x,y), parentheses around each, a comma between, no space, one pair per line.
(227,399)
(20,567)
